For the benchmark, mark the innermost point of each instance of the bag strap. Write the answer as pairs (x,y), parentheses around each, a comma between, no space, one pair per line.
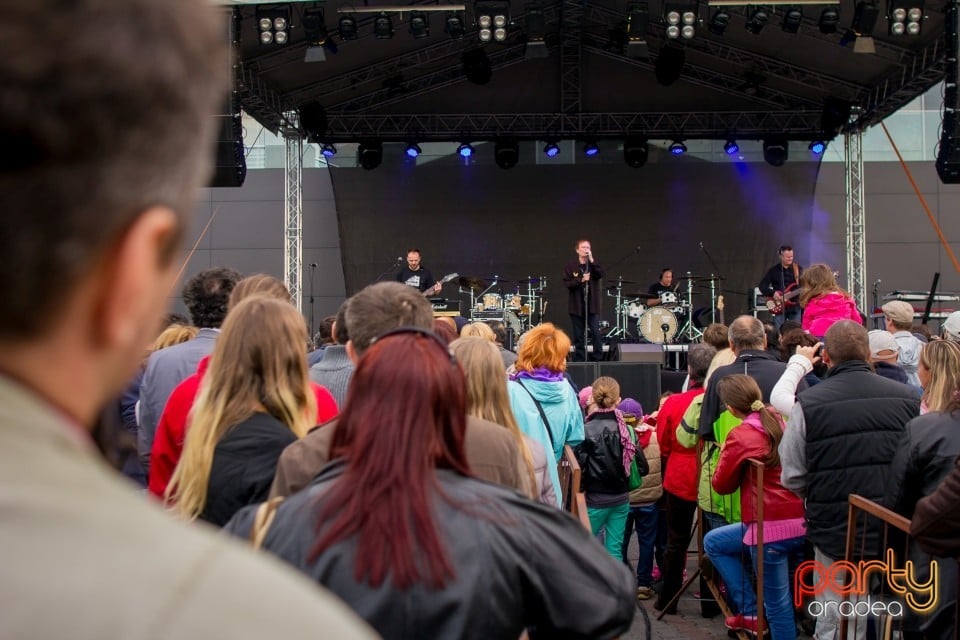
(542,414)
(262,521)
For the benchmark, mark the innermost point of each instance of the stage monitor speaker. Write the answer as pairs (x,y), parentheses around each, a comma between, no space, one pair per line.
(642,353)
(230,168)
(583,373)
(638,380)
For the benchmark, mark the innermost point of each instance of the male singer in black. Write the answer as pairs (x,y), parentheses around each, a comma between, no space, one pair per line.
(581,275)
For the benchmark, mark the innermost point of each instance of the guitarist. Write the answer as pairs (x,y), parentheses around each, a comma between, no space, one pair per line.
(417,276)
(782,278)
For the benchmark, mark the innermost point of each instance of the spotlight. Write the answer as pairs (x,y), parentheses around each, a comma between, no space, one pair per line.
(730,147)
(817,147)
(776,150)
(465,150)
(681,19)
(638,21)
(551,150)
(383,26)
(506,153)
(864,19)
(677,148)
(413,150)
(536,27)
(829,19)
(370,154)
(476,66)
(758,20)
(792,19)
(419,24)
(904,17)
(274,25)
(635,152)
(328,150)
(719,21)
(590,149)
(493,18)
(348,27)
(316,36)
(454,25)
(669,64)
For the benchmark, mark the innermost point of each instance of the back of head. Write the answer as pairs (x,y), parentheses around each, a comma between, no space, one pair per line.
(324,333)
(499,331)
(817,280)
(486,383)
(942,359)
(746,332)
(699,357)
(341,332)
(606,392)
(544,346)
(715,335)
(443,330)
(174,334)
(383,306)
(478,330)
(846,340)
(259,284)
(772,335)
(106,112)
(790,340)
(207,295)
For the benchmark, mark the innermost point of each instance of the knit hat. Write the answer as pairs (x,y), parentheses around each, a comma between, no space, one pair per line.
(584,396)
(881,340)
(951,327)
(631,406)
(898,311)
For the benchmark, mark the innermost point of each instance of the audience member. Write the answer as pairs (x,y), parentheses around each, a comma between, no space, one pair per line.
(336,368)
(478,330)
(445,329)
(899,319)
(585,398)
(500,333)
(936,520)
(789,341)
(884,352)
(939,373)
(106,121)
(773,340)
(823,301)
(922,332)
(756,437)
(398,527)
(950,329)
(206,295)
(322,339)
(715,335)
(491,450)
(841,438)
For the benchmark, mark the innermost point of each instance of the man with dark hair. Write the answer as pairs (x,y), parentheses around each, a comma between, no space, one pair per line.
(322,339)
(841,439)
(660,287)
(782,278)
(107,123)
(491,450)
(500,335)
(207,296)
(335,368)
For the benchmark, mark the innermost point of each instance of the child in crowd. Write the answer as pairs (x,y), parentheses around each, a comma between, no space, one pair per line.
(823,301)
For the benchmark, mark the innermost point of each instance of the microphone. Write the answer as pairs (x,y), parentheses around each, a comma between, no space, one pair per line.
(638,248)
(701,246)
(314,265)
(399,259)
(665,327)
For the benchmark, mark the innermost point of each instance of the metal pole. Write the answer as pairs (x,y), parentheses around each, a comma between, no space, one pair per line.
(293,211)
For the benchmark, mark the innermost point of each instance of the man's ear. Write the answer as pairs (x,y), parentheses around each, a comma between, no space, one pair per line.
(136,278)
(352,353)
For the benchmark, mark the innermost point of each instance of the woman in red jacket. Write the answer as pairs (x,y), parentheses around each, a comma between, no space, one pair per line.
(756,437)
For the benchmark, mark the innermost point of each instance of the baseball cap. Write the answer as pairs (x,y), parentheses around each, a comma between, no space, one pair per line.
(898,311)
(880,341)
(951,327)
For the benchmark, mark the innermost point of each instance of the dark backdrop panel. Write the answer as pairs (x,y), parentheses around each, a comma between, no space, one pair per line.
(484,221)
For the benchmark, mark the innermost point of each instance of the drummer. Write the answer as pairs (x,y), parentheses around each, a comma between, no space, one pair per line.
(657,289)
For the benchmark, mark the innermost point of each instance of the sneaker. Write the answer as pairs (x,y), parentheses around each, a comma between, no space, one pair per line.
(644,593)
(747,624)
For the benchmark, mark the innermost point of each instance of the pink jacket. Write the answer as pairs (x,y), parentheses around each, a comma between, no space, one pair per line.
(823,311)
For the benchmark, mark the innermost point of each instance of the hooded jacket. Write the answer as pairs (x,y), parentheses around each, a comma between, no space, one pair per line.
(823,310)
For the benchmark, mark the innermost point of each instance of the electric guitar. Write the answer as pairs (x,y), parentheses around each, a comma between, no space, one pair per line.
(442,281)
(720,309)
(787,299)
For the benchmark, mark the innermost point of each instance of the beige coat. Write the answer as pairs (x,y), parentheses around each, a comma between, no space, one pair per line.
(652,487)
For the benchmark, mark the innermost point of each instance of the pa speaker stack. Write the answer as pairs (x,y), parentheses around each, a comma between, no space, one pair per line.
(948,155)
(230,168)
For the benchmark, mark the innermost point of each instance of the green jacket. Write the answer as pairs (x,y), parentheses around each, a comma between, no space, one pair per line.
(727,506)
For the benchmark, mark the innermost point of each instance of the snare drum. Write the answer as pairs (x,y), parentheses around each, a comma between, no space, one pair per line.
(635,310)
(668,299)
(513,302)
(492,302)
(658,325)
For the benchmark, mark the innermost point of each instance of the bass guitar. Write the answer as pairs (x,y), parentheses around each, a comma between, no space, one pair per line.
(786,300)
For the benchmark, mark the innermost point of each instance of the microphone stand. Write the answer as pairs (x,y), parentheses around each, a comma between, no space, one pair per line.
(395,265)
(713,293)
(313,266)
(876,303)
(586,310)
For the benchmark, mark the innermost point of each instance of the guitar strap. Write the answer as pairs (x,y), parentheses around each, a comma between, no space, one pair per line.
(796,274)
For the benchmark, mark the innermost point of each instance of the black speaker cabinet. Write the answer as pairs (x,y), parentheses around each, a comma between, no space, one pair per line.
(638,380)
(642,353)
(230,162)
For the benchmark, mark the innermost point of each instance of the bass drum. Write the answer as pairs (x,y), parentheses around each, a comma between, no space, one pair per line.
(658,325)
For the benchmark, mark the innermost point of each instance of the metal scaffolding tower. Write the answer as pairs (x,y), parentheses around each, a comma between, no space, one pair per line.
(293,209)
(856,214)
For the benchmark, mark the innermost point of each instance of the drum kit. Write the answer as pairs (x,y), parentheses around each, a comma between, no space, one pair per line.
(669,321)
(516,309)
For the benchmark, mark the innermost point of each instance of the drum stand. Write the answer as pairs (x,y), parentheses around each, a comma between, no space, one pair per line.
(621,314)
(692,332)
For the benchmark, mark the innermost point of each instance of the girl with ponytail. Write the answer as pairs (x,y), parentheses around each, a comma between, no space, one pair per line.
(756,437)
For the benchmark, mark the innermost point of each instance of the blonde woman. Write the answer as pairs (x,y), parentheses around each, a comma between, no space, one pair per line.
(255,399)
(939,373)
(487,399)
(478,330)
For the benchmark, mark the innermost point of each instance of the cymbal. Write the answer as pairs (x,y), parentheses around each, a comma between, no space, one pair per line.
(625,281)
(699,278)
(472,282)
(532,280)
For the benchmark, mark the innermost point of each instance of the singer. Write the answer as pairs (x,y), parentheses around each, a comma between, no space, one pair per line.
(417,276)
(582,277)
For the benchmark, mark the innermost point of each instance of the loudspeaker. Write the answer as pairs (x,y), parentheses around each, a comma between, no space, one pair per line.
(230,168)
(583,373)
(652,353)
(638,380)
(948,154)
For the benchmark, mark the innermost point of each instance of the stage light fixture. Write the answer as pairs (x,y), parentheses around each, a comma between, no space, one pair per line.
(328,150)
(776,150)
(274,25)
(719,21)
(370,154)
(493,19)
(904,17)
(792,19)
(829,19)
(465,150)
(590,149)
(635,151)
(347,27)
(535,26)
(316,36)
(419,24)
(669,64)
(677,148)
(413,150)
(638,21)
(864,20)
(476,66)
(817,147)
(681,19)
(551,150)
(730,147)
(383,26)
(506,153)
(758,20)
(454,25)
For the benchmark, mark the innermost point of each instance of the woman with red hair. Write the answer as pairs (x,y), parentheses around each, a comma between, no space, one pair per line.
(397,526)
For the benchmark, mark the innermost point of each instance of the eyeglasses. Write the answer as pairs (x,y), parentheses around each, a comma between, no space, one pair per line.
(421,332)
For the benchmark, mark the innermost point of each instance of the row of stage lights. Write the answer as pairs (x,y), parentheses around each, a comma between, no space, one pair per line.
(635,151)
